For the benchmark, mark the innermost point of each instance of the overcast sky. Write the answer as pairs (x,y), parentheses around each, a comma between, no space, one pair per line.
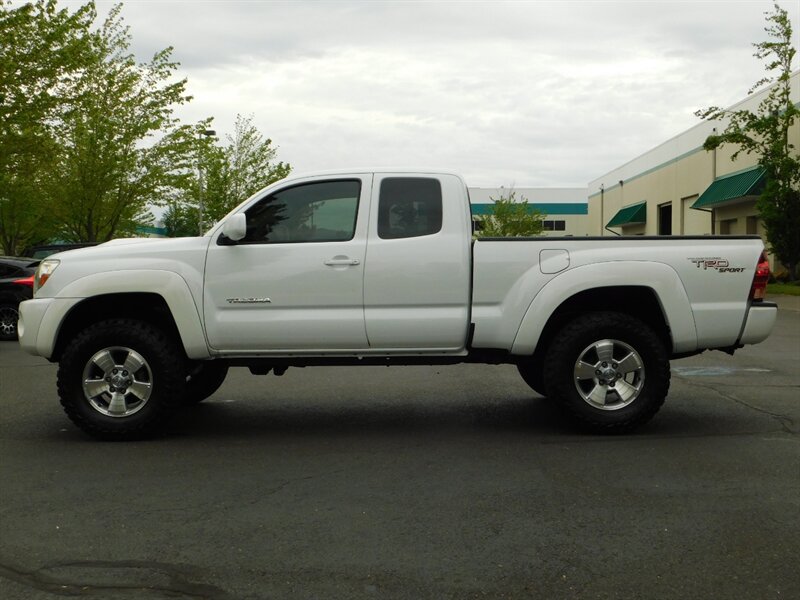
(530,94)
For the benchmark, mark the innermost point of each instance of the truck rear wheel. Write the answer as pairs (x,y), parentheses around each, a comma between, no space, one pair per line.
(610,371)
(121,379)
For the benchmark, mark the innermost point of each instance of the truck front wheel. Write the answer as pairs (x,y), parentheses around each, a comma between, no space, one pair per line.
(204,378)
(532,373)
(121,379)
(610,371)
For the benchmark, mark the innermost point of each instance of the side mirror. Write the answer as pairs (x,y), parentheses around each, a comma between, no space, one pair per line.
(235,228)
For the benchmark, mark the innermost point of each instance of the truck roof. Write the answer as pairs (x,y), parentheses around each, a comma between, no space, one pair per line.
(426,170)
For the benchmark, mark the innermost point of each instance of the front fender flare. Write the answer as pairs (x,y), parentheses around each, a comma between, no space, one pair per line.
(167,284)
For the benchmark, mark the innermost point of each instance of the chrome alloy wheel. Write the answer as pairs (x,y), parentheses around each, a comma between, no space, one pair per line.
(609,374)
(117,381)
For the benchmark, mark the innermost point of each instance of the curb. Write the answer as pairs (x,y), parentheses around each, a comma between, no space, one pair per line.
(785,302)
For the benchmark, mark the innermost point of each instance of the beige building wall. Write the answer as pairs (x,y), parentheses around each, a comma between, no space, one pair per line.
(675,174)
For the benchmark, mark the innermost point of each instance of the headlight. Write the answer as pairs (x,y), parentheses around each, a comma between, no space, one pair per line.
(46,268)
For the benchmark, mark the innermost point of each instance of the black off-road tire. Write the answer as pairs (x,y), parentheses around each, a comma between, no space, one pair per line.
(569,381)
(533,374)
(204,378)
(164,369)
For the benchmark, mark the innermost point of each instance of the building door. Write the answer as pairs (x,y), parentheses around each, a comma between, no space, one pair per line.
(665,219)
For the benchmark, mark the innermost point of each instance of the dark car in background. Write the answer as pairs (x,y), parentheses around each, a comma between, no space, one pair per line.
(46,250)
(16,285)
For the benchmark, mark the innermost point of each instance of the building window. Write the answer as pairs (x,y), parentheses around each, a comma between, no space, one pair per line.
(554,225)
(752,225)
(727,226)
(665,219)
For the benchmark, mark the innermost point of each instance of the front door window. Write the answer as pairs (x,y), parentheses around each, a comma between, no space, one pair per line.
(314,212)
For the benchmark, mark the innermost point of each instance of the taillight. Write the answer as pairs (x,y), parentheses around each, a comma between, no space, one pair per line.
(759,288)
(28,282)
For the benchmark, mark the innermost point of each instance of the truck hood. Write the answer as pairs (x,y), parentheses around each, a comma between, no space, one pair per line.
(183,256)
(133,247)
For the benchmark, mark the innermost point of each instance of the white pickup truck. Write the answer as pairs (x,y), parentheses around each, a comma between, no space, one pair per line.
(380,267)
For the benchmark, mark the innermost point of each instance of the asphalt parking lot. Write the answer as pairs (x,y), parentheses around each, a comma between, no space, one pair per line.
(411,482)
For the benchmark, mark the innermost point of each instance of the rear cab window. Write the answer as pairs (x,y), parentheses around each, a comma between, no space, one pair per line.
(409,207)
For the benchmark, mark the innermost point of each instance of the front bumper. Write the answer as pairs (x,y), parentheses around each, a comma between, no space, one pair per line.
(39,322)
(759,322)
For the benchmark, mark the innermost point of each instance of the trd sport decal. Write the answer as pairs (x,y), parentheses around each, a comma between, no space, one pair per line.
(718,264)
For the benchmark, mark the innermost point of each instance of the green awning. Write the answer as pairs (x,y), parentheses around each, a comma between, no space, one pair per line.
(731,188)
(630,215)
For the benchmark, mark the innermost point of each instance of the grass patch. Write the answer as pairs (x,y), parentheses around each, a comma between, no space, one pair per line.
(788,289)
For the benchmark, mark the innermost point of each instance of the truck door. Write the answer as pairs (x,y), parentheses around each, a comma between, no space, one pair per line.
(417,276)
(295,282)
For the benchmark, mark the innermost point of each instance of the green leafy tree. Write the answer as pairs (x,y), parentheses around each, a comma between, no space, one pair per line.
(512,218)
(248,164)
(765,133)
(179,222)
(225,175)
(121,147)
(43,51)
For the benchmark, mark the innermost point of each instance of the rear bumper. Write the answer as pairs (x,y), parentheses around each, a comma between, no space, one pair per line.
(759,322)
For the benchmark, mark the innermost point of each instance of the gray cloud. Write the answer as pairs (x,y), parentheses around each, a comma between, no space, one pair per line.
(535,93)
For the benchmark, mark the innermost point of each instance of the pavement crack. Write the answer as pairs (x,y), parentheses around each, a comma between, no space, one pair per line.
(286,482)
(786,422)
(99,578)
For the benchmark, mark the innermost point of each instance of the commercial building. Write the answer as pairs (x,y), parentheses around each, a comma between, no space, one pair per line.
(565,209)
(678,188)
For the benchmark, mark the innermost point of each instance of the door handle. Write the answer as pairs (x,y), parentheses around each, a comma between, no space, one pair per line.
(339,262)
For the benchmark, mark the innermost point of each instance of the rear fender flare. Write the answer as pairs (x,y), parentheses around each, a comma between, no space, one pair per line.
(659,277)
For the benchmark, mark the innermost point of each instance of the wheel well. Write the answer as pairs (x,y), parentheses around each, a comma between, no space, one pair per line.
(143,306)
(637,301)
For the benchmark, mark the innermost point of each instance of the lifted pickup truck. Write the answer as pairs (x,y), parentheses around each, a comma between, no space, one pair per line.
(379,267)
